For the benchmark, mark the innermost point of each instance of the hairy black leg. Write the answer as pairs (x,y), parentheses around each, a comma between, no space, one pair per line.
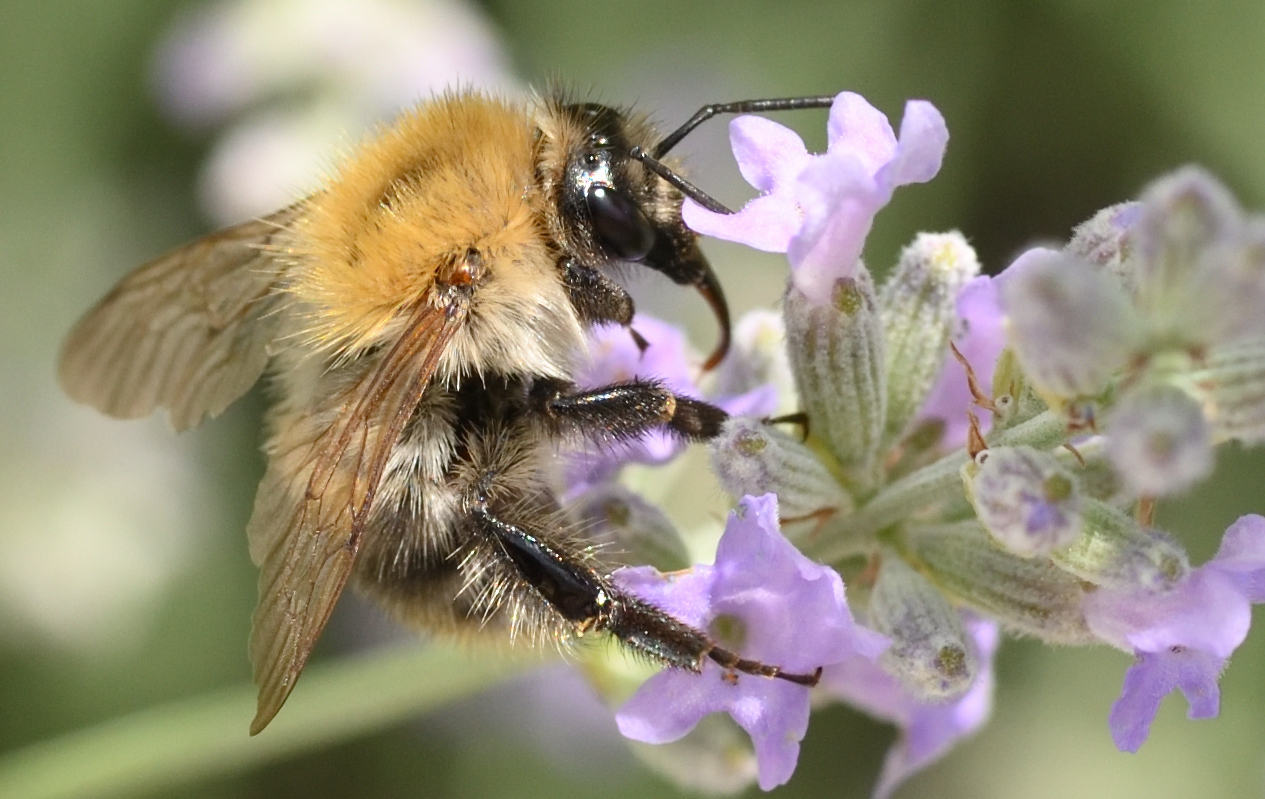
(592,602)
(623,410)
(595,297)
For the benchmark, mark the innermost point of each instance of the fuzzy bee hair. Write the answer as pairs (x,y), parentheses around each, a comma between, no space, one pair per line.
(420,317)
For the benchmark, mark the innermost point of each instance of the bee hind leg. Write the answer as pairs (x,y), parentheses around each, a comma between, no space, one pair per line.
(590,600)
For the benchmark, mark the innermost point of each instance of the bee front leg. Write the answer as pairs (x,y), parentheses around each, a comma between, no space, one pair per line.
(622,411)
(596,298)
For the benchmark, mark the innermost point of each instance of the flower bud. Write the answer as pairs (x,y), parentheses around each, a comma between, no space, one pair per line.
(836,353)
(1070,325)
(1025,499)
(1106,240)
(1234,379)
(1116,552)
(930,652)
(1159,441)
(1186,217)
(1029,595)
(636,526)
(918,309)
(754,458)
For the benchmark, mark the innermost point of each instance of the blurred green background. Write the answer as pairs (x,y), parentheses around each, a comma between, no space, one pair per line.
(124,577)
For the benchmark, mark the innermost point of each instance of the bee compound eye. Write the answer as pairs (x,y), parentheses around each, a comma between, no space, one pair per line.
(619,223)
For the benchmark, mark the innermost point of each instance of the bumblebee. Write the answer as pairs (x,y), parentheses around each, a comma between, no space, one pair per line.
(418,318)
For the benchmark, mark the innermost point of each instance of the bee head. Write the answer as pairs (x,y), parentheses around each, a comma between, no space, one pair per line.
(611,208)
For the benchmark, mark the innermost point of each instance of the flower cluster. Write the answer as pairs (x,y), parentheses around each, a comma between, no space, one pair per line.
(1109,369)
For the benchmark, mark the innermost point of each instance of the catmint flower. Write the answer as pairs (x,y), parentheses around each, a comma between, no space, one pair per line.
(766,601)
(637,527)
(1234,378)
(1107,240)
(757,358)
(928,728)
(1115,551)
(1181,638)
(819,208)
(1026,499)
(1160,442)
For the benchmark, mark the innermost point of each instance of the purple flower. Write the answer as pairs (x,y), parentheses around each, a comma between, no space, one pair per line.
(928,729)
(1181,638)
(980,337)
(819,208)
(1153,676)
(614,356)
(766,601)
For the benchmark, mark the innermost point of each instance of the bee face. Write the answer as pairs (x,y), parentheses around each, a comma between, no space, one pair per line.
(419,317)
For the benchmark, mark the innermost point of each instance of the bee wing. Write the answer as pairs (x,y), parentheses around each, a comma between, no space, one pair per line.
(188,331)
(316,496)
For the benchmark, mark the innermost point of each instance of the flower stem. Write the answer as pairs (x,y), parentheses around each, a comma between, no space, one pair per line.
(921,490)
(190,739)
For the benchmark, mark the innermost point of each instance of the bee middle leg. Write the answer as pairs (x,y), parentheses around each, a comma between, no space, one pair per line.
(622,411)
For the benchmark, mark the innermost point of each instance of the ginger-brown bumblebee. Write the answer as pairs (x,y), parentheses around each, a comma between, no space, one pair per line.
(419,317)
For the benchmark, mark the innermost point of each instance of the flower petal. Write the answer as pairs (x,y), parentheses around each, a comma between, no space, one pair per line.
(920,151)
(839,199)
(766,223)
(1242,556)
(769,155)
(1152,677)
(862,130)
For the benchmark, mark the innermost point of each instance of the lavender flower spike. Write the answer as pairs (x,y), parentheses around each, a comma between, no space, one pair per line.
(1182,638)
(819,208)
(765,600)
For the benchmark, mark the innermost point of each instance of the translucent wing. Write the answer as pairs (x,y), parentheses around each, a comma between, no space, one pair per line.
(188,331)
(316,495)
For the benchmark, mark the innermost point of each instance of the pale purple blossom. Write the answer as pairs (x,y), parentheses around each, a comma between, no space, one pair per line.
(1182,638)
(1153,676)
(819,208)
(928,729)
(790,611)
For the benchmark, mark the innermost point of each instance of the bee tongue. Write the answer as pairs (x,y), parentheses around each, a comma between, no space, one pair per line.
(709,287)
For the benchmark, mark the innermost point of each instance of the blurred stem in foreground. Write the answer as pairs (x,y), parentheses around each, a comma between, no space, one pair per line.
(191,739)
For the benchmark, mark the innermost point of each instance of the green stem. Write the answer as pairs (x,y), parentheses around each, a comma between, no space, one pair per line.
(190,739)
(921,490)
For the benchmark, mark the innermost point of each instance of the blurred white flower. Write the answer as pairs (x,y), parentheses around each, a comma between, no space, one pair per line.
(96,522)
(293,77)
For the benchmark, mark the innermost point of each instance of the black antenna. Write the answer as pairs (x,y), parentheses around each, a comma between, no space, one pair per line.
(688,189)
(741,107)
(703,114)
